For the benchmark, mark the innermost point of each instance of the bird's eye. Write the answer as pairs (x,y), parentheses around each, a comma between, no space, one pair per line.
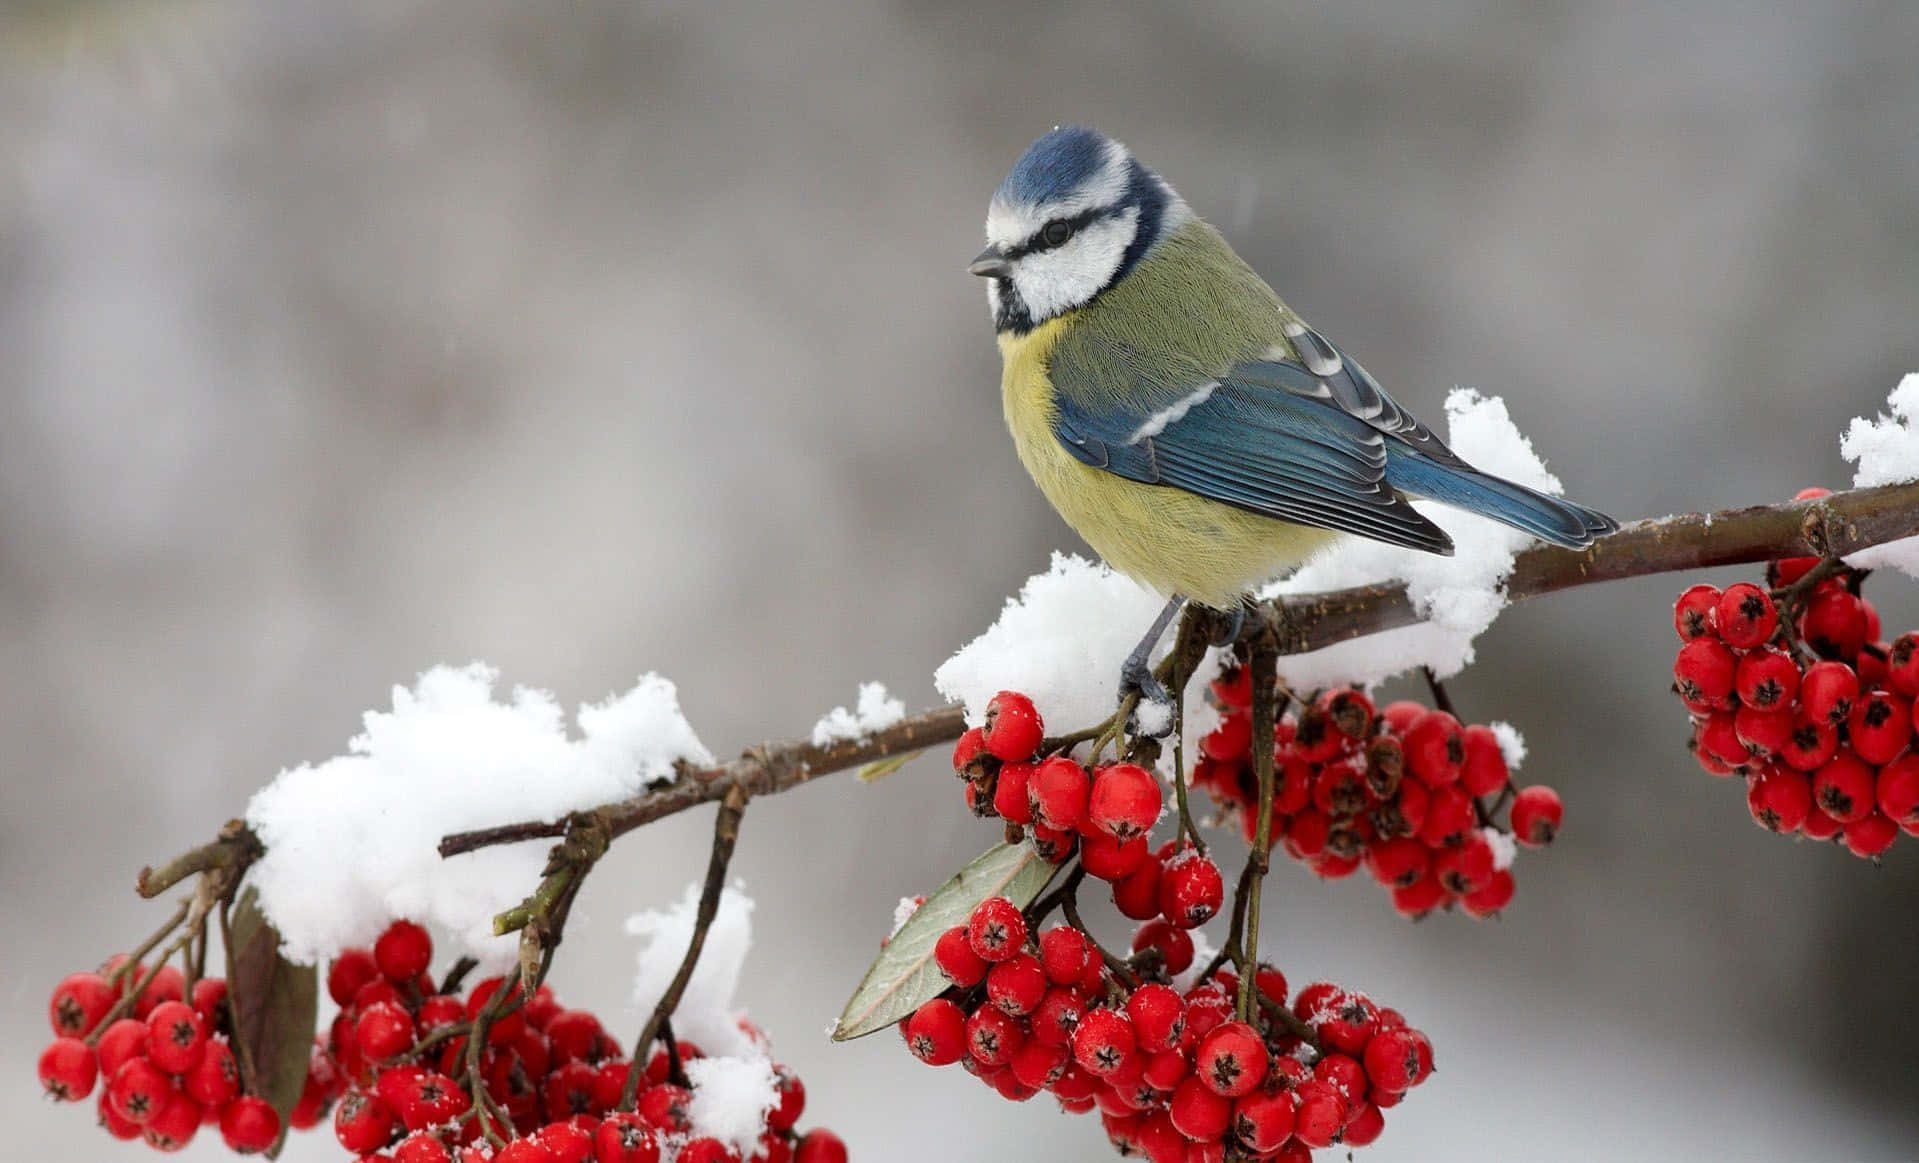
(1054,233)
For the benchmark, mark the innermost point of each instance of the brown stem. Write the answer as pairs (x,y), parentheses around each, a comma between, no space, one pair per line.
(1040,909)
(1265,664)
(235,848)
(1069,904)
(726,832)
(1840,524)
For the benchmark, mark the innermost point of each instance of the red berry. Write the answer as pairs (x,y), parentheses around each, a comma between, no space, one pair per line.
(112,1123)
(1057,1016)
(1766,678)
(1062,954)
(819,1146)
(1111,859)
(1103,1043)
(1834,623)
(363,1123)
(1485,771)
(1762,733)
(1811,745)
(1320,1114)
(1779,799)
(1054,845)
(623,1137)
(1231,1060)
(1692,614)
(575,1035)
(1536,815)
(1490,899)
(1174,946)
(1745,616)
(1012,730)
(428,1099)
(352,969)
(1344,1020)
(139,1090)
(1198,1111)
(569,1091)
(1415,900)
(666,1107)
(1190,890)
(168,984)
(123,1040)
(403,952)
(249,1125)
(68,1069)
(1435,749)
(1879,726)
(175,1126)
(1017,985)
(1208,1007)
(1704,673)
(1902,664)
(1363,1126)
(567,1142)
(1468,867)
(993,1037)
(1057,793)
(1039,1064)
(1392,1060)
(1450,817)
(1869,835)
(384,1031)
(1137,897)
(1897,790)
(970,754)
(1827,691)
(1125,800)
(1398,861)
(1229,741)
(78,1003)
(1010,787)
(523,1151)
(936,1033)
(1820,826)
(954,955)
(1263,1120)
(1158,1015)
(421,1147)
(1718,735)
(706,1150)
(215,1078)
(996,930)
(1845,788)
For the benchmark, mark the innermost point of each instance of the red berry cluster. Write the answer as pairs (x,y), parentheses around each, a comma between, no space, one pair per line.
(1105,815)
(166,1066)
(1790,687)
(407,1083)
(1407,792)
(1174,1075)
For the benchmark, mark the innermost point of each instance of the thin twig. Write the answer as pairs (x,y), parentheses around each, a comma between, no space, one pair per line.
(1069,904)
(233,850)
(726,832)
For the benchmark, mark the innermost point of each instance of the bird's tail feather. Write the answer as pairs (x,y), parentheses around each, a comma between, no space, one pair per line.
(1548,518)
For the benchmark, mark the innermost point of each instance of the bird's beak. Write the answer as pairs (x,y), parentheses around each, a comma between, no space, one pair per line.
(990,264)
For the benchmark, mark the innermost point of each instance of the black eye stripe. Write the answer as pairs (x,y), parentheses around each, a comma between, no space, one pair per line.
(1075,224)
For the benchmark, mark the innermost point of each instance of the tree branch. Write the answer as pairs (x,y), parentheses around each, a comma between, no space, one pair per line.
(1837,525)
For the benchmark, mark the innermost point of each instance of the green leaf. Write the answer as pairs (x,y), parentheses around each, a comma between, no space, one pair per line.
(905,977)
(881,768)
(274,1007)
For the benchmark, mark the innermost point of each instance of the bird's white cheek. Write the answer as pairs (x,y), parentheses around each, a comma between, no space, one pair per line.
(1054,281)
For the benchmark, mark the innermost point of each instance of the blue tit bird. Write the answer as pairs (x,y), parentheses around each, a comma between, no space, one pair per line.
(1200,435)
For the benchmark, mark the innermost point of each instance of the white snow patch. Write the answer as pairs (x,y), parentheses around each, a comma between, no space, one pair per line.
(1503,845)
(705,1014)
(903,912)
(1060,642)
(352,842)
(875,710)
(1154,717)
(1459,596)
(1887,452)
(1512,745)
(731,1097)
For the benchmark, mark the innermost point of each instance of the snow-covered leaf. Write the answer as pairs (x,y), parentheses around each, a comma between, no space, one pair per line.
(905,977)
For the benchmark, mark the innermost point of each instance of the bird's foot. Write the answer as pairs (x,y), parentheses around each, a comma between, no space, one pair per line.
(1152,715)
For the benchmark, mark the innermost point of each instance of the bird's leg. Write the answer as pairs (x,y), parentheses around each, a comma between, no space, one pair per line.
(1230,634)
(1136,673)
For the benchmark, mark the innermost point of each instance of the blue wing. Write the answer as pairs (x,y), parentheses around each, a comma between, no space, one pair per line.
(1316,442)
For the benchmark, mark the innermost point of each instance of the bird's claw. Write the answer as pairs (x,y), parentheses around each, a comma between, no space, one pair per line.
(1231,633)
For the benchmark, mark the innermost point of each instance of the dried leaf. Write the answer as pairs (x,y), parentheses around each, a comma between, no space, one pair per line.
(274,1007)
(904,977)
(881,768)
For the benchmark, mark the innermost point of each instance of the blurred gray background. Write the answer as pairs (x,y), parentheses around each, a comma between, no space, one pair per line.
(341,339)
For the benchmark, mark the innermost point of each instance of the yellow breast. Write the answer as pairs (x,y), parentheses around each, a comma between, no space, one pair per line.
(1165,538)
